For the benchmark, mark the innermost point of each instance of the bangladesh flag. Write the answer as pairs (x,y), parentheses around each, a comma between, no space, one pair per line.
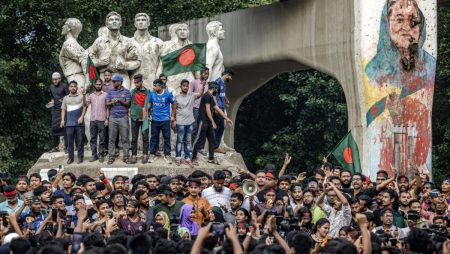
(189,58)
(347,154)
(411,88)
(376,110)
(91,71)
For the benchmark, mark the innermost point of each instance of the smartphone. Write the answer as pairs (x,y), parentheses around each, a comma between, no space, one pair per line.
(5,219)
(110,214)
(54,214)
(28,194)
(393,241)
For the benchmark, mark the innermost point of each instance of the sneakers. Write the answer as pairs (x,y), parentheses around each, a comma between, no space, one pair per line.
(69,161)
(152,158)
(168,159)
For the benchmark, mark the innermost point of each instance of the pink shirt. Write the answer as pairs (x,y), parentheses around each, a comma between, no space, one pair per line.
(98,106)
(194,87)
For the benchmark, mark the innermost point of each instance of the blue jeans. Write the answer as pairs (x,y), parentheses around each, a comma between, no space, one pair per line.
(156,128)
(75,136)
(184,133)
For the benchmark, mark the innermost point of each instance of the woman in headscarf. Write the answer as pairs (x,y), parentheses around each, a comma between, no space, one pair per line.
(163,219)
(216,215)
(187,219)
(184,233)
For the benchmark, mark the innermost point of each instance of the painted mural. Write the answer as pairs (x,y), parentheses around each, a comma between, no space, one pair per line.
(399,69)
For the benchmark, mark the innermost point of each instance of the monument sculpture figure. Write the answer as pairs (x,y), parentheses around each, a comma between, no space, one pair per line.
(72,57)
(182,34)
(214,57)
(148,50)
(115,51)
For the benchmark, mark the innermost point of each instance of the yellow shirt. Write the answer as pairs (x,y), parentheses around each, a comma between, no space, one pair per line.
(198,203)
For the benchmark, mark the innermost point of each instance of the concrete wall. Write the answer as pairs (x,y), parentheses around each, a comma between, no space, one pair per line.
(295,35)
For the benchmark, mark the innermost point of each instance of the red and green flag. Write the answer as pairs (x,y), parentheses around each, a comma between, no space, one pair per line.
(376,110)
(411,88)
(91,71)
(189,58)
(347,154)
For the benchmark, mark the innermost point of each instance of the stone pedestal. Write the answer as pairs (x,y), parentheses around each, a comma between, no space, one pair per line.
(232,160)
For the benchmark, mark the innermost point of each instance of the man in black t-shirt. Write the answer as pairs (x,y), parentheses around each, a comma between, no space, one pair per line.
(58,90)
(206,124)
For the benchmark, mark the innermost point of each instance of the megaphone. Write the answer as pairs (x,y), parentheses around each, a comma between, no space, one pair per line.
(250,188)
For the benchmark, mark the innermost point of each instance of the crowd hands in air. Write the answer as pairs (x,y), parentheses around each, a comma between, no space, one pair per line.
(267,211)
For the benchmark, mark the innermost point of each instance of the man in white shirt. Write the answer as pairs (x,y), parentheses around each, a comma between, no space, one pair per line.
(218,195)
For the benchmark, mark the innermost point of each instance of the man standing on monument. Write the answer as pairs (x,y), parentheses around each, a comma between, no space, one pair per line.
(182,32)
(72,57)
(138,97)
(58,90)
(118,102)
(214,57)
(99,120)
(159,108)
(222,103)
(115,51)
(206,123)
(74,107)
(194,87)
(148,48)
(184,118)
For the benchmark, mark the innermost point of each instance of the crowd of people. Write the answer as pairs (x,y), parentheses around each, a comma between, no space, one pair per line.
(196,114)
(267,211)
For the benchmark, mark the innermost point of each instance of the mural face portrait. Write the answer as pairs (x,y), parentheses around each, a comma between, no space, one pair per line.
(404,23)
(399,87)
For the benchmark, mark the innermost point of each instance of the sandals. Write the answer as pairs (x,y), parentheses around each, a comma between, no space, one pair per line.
(191,165)
(178,162)
(214,162)
(194,162)
(110,161)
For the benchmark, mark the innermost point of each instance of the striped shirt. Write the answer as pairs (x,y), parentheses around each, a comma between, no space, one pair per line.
(98,105)
(118,110)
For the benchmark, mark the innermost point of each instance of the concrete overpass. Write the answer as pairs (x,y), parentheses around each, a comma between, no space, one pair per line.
(329,36)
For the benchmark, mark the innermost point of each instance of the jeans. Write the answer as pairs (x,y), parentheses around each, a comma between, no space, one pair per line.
(156,128)
(75,135)
(136,124)
(220,122)
(184,138)
(121,126)
(97,129)
(205,131)
(107,138)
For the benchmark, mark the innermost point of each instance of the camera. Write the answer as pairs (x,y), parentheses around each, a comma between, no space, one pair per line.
(218,229)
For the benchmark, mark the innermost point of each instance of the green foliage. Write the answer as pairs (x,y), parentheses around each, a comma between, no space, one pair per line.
(305,117)
(29,47)
(441,105)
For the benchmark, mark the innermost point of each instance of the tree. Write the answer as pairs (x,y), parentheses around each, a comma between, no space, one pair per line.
(305,118)
(29,47)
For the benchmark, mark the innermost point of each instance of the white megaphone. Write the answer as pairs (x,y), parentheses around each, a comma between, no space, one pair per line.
(250,187)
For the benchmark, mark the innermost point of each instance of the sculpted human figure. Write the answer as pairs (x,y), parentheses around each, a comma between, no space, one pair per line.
(214,57)
(173,82)
(72,57)
(115,51)
(148,48)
